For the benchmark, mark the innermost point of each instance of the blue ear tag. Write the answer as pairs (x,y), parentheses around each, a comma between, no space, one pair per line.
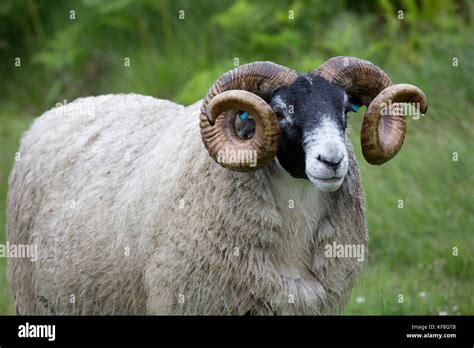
(244,116)
(355,108)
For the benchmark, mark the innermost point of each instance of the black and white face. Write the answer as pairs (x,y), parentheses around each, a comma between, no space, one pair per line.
(313,117)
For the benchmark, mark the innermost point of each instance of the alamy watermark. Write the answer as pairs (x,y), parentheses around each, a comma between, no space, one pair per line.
(237,157)
(345,251)
(28,251)
(37,331)
(401,109)
(76,109)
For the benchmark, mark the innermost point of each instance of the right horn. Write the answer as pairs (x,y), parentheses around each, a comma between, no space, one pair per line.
(243,89)
(383,127)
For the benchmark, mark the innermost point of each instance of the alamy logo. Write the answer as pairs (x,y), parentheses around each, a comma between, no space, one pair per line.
(76,109)
(37,331)
(401,109)
(29,251)
(237,157)
(345,251)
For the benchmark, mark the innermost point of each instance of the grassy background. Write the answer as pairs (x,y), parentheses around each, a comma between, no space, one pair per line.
(411,248)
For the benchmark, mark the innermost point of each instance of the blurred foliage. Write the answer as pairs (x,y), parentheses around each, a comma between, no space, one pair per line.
(177,48)
(78,47)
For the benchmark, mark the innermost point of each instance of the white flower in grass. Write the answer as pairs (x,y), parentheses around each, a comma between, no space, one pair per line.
(422,294)
(443,313)
(360,299)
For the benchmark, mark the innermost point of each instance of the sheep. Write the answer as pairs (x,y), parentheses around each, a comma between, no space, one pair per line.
(131,214)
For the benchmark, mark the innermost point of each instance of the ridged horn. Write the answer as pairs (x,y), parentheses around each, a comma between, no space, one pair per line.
(383,128)
(245,88)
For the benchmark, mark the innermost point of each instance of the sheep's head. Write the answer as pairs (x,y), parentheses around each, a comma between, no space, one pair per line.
(261,110)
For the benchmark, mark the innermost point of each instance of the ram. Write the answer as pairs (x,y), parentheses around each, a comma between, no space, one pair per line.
(131,214)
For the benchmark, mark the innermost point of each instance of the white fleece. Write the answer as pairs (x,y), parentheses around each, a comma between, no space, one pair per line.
(132,216)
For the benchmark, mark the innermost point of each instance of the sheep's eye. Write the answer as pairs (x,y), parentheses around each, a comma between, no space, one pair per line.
(280,115)
(279,107)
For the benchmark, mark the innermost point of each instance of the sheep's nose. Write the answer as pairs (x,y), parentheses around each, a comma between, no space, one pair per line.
(332,162)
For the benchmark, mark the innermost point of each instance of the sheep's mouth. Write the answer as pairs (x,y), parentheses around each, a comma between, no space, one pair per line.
(330,184)
(330,180)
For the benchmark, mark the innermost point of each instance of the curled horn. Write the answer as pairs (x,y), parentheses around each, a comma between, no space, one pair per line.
(383,128)
(243,89)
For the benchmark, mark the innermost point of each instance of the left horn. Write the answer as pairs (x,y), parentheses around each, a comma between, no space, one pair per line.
(244,88)
(383,128)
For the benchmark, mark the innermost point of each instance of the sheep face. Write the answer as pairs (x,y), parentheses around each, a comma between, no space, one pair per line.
(313,118)
(312,114)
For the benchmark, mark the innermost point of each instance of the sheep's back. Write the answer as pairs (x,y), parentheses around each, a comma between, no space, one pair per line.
(68,185)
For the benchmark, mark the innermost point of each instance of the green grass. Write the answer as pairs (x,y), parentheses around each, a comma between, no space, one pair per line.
(411,248)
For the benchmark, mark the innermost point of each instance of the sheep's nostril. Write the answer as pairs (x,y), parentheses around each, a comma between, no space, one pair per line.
(330,162)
